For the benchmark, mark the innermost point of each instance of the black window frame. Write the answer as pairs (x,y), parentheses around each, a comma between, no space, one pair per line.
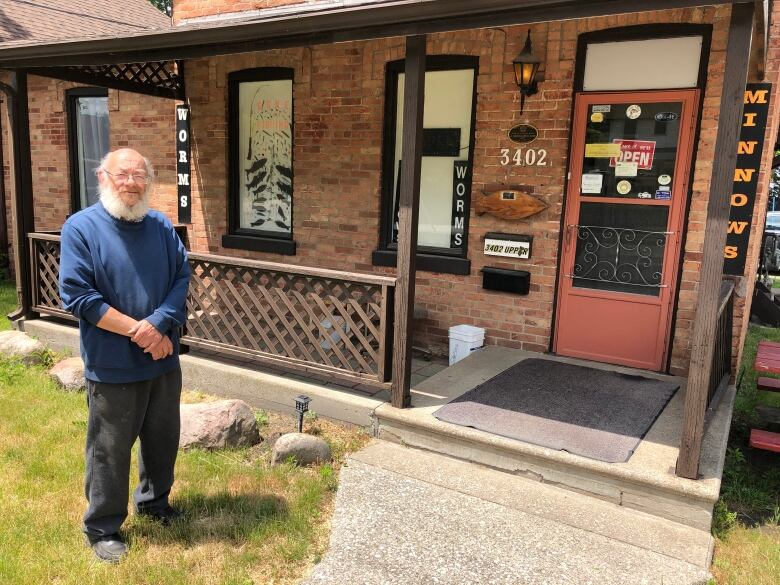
(446,260)
(242,238)
(71,100)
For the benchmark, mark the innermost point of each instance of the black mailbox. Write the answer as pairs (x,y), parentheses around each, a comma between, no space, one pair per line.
(502,279)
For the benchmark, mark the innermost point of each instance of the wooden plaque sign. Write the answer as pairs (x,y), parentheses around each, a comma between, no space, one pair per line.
(509,204)
(523,134)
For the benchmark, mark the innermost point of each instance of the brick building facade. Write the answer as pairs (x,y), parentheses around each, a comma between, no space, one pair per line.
(339,101)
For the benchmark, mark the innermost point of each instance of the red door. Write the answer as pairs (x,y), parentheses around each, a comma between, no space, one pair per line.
(625,206)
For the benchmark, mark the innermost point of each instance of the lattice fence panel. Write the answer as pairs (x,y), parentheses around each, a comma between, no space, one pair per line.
(45,267)
(152,76)
(312,319)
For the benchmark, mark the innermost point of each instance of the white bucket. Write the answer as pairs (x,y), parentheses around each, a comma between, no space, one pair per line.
(463,340)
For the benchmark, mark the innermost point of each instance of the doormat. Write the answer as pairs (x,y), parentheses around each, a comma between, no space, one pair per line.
(595,413)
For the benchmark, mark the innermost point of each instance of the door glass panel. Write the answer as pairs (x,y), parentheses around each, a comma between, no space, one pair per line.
(630,150)
(620,247)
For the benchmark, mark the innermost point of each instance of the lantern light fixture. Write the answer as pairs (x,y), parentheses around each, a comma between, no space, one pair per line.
(301,407)
(526,66)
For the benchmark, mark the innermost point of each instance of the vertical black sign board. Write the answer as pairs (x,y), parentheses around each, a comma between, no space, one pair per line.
(743,195)
(183,187)
(460,188)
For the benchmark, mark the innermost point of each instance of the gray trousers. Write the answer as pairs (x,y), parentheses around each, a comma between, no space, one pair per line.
(118,415)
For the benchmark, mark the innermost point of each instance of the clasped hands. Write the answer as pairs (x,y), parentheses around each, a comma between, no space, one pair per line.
(146,336)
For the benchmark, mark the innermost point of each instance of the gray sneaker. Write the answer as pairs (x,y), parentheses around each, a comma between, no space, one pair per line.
(110,549)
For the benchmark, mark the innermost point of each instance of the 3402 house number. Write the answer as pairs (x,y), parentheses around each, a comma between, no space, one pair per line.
(524,157)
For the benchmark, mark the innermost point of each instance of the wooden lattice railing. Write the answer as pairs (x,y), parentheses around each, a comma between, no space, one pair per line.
(320,321)
(45,267)
(720,372)
(293,317)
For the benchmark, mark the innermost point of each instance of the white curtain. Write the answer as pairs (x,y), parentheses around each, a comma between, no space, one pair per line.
(92,134)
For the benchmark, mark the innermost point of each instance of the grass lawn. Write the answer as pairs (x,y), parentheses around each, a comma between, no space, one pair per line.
(245,522)
(747,549)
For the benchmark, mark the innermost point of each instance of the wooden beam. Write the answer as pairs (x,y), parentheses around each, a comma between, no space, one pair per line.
(718,206)
(762,16)
(23,218)
(99,79)
(391,18)
(408,213)
(3,216)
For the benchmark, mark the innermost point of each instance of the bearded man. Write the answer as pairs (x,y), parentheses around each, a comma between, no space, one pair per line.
(124,274)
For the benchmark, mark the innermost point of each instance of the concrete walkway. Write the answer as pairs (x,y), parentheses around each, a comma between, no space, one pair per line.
(405,516)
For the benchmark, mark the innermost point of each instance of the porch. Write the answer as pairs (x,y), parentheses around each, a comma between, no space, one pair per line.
(356,328)
(644,488)
(266,332)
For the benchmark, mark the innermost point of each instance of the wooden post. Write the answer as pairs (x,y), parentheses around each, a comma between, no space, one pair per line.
(718,206)
(3,216)
(409,207)
(23,219)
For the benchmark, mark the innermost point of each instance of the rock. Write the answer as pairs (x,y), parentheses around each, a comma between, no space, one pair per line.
(69,373)
(305,449)
(16,344)
(215,425)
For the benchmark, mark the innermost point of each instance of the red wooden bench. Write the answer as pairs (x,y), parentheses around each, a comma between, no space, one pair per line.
(767,362)
(765,440)
(768,357)
(768,384)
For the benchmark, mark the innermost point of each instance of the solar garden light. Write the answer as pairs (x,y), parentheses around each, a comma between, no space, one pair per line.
(301,407)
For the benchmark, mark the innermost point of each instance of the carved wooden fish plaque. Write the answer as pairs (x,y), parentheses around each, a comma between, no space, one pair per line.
(509,204)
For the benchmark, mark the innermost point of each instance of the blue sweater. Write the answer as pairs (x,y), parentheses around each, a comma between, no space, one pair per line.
(138,268)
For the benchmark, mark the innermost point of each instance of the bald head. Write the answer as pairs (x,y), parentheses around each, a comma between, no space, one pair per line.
(125,176)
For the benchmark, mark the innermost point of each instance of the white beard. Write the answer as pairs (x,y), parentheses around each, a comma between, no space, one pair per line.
(117,208)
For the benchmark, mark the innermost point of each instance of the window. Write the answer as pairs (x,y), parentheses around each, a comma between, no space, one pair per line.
(260,122)
(445,180)
(88,132)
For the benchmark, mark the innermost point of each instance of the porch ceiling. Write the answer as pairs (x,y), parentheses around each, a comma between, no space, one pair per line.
(345,23)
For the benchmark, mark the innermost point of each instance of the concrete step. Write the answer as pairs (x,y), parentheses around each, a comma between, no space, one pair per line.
(411,518)
(687,504)
(646,482)
(579,511)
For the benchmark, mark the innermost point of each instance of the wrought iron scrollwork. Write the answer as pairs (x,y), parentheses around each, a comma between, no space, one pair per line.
(619,255)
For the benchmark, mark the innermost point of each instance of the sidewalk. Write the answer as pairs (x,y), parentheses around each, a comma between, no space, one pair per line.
(406,516)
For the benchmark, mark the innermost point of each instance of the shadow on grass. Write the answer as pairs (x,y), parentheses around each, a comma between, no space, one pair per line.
(220,517)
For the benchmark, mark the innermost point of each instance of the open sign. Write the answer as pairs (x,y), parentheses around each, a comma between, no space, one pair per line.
(640,152)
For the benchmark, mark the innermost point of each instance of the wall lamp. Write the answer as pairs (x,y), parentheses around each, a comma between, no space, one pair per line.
(526,67)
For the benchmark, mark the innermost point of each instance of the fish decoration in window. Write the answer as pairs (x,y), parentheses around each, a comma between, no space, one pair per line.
(268,164)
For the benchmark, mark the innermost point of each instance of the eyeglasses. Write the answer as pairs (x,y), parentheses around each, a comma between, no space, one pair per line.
(125,177)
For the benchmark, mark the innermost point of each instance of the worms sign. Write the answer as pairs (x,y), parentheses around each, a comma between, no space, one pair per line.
(183,188)
(743,195)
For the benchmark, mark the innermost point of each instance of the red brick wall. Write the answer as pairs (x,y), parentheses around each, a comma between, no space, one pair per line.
(339,101)
(141,122)
(148,125)
(187,9)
